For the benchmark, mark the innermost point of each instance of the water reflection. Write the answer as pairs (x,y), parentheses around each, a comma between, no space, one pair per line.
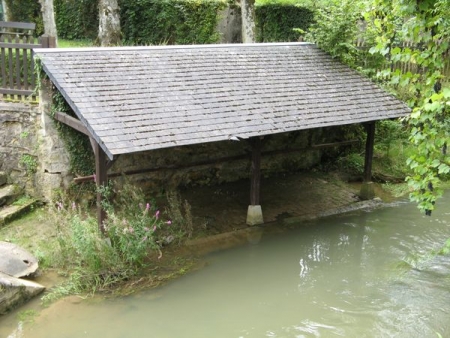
(335,277)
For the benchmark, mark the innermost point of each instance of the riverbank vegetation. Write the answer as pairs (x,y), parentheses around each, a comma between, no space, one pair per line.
(400,33)
(136,234)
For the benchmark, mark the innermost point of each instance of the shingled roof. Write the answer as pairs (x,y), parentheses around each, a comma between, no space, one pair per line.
(142,98)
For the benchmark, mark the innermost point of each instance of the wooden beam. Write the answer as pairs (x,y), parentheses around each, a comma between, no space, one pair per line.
(20,45)
(18,25)
(17,92)
(334,144)
(101,180)
(370,127)
(255,180)
(72,122)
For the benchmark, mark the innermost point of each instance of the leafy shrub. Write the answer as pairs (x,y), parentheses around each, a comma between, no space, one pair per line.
(275,22)
(170,21)
(133,230)
(389,132)
(335,29)
(76,19)
(352,163)
(81,156)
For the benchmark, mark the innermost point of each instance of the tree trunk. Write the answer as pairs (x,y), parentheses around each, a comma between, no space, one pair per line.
(48,17)
(109,33)
(248,21)
(5,11)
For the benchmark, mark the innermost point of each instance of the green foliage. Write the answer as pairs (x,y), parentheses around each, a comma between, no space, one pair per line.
(30,163)
(23,200)
(352,163)
(26,11)
(180,214)
(336,29)
(82,160)
(388,132)
(425,25)
(76,19)
(134,229)
(147,22)
(276,21)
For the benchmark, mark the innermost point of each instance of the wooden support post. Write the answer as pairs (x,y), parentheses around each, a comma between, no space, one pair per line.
(254,213)
(255,184)
(367,187)
(101,180)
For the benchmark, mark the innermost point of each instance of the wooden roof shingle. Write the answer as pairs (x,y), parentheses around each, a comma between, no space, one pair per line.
(142,98)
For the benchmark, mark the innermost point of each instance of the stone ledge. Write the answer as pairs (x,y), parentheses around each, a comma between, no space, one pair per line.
(8,194)
(15,291)
(11,212)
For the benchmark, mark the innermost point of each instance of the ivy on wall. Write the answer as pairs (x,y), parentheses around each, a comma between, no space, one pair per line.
(276,23)
(82,161)
(76,19)
(170,21)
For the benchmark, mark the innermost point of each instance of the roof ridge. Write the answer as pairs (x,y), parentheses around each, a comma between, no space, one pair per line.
(169,47)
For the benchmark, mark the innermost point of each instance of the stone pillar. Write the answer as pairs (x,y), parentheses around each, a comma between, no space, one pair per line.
(54,164)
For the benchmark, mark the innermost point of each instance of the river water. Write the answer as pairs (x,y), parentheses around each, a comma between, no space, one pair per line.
(363,274)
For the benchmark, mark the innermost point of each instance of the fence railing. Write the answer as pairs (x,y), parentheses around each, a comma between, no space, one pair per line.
(18,78)
(409,66)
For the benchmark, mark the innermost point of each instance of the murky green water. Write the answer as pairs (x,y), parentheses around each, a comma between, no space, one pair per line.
(344,276)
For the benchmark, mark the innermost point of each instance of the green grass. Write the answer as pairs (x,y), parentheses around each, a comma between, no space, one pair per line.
(62,43)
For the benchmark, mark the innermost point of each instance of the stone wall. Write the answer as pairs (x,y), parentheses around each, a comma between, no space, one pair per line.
(18,141)
(31,154)
(226,161)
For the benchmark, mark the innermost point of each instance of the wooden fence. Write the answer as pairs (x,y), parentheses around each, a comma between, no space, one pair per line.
(410,66)
(18,77)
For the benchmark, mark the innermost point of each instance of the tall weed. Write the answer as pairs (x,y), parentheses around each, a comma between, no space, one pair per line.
(96,261)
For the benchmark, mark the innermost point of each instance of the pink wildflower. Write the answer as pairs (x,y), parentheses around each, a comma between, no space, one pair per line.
(154,228)
(147,207)
(169,222)
(157,214)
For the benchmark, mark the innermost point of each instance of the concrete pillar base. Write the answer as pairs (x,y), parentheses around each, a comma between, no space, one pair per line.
(367,191)
(254,215)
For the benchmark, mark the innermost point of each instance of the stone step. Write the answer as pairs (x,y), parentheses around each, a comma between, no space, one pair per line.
(11,212)
(8,194)
(16,291)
